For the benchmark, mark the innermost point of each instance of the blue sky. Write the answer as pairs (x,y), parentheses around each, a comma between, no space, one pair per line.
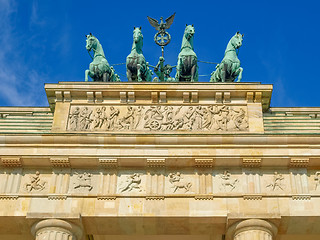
(44,42)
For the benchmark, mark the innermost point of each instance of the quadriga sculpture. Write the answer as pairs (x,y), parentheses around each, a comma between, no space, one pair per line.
(99,69)
(137,68)
(229,69)
(187,67)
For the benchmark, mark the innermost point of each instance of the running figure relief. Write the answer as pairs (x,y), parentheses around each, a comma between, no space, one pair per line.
(277,183)
(35,183)
(217,118)
(132,183)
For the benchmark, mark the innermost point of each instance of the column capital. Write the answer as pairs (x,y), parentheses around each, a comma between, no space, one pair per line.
(56,225)
(249,225)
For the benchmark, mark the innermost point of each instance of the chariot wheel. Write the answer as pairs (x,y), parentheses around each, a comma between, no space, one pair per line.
(162,38)
(154,125)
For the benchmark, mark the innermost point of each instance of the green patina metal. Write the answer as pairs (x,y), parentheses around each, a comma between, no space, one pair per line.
(162,37)
(137,67)
(229,69)
(99,69)
(187,67)
(138,70)
(163,72)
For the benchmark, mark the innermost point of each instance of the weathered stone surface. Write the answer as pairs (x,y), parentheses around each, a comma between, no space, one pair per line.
(122,180)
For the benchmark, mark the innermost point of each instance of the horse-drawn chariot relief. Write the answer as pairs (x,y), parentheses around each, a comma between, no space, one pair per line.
(210,118)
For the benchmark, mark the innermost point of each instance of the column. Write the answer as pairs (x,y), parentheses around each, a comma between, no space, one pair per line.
(252,229)
(56,229)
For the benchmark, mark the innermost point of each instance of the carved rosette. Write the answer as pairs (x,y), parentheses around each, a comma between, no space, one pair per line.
(210,118)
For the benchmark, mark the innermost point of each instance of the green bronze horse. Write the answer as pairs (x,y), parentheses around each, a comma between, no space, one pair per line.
(137,67)
(187,67)
(229,69)
(99,69)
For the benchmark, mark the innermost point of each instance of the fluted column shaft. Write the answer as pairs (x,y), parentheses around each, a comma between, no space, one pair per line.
(56,229)
(252,229)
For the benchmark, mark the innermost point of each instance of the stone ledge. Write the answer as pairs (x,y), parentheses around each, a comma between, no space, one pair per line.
(301,197)
(155,197)
(106,197)
(57,197)
(203,197)
(9,197)
(252,197)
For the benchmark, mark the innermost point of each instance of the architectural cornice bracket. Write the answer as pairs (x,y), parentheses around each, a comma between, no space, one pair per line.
(11,162)
(299,162)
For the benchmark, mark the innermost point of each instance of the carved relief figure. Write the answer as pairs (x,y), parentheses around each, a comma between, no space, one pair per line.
(277,182)
(158,118)
(222,118)
(113,117)
(35,183)
(100,117)
(84,118)
(153,117)
(133,182)
(317,180)
(83,180)
(176,180)
(127,122)
(74,117)
(227,182)
(239,119)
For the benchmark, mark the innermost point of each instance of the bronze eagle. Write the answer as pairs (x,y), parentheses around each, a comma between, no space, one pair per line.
(162,26)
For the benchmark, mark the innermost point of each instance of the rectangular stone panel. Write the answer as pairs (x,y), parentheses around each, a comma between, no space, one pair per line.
(159,118)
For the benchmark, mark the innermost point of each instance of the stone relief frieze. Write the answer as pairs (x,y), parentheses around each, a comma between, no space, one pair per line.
(83,181)
(139,182)
(178,182)
(228,183)
(133,182)
(158,118)
(35,183)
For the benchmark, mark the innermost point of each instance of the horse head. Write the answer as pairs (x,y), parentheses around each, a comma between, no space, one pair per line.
(236,40)
(137,35)
(91,42)
(189,32)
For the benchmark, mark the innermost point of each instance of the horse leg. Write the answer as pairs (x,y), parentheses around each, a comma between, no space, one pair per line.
(139,72)
(193,71)
(223,72)
(86,75)
(104,77)
(178,74)
(129,75)
(240,70)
